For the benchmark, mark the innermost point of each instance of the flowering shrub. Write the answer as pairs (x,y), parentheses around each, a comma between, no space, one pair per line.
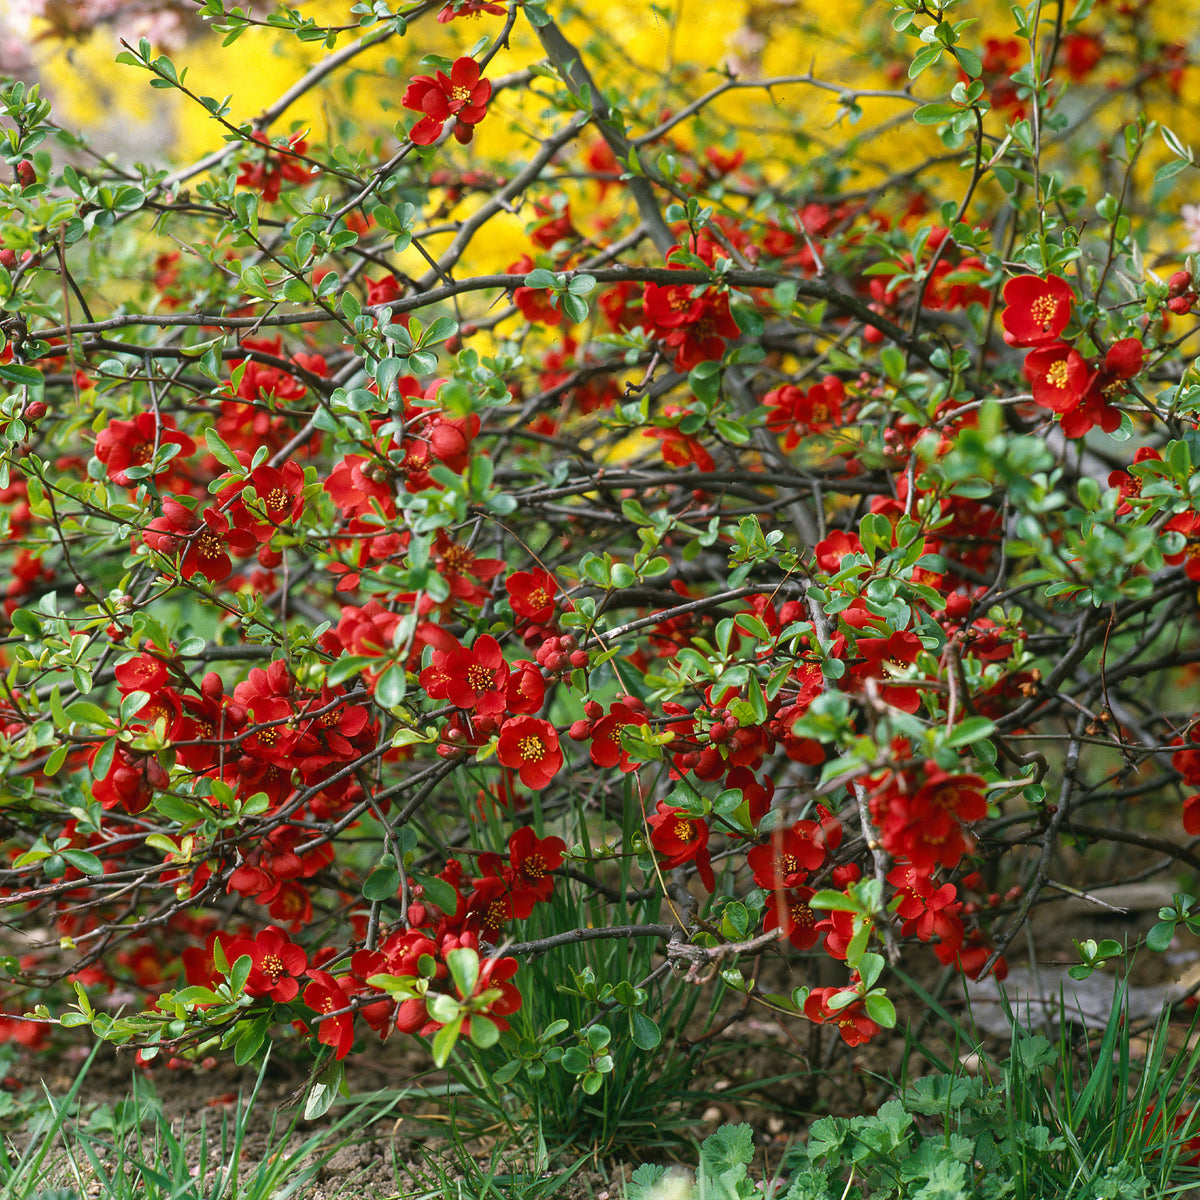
(846,537)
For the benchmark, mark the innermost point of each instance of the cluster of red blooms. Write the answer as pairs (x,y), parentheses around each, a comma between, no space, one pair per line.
(271,737)
(693,328)
(1187,763)
(363,487)
(796,413)
(506,889)
(1037,311)
(270,169)
(233,524)
(1187,524)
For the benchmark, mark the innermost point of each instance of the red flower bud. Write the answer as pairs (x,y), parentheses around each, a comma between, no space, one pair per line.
(1179,283)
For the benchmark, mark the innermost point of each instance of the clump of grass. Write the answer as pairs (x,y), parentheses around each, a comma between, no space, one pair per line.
(132,1153)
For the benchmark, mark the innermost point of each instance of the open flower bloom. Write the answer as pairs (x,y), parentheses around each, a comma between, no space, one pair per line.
(1058,377)
(1037,309)
(461,95)
(529,746)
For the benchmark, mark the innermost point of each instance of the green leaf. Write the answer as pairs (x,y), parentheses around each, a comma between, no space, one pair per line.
(969,61)
(222,452)
(933,114)
(54,763)
(384,880)
(1160,936)
(645,1033)
(324,1090)
(438,892)
(880,1009)
(250,1039)
(925,59)
(239,973)
(483,1033)
(81,860)
(195,995)
(444,1040)
(87,713)
(464,968)
(970,729)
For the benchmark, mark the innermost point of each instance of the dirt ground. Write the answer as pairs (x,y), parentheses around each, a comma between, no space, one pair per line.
(778,1077)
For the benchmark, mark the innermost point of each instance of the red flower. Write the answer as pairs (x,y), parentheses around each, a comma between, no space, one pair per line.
(203,542)
(461,95)
(1058,377)
(531,859)
(682,450)
(1081,53)
(852,1021)
(926,911)
(383,290)
(695,327)
(1037,309)
(477,678)
(326,996)
(529,746)
(526,691)
(124,444)
(678,839)
(531,594)
(786,860)
(278,963)
(830,552)
(267,174)
(1191,814)
(606,737)
(797,413)
(131,780)
(199,965)
(788,910)
(280,493)
(467,8)
(1189,525)
(536,304)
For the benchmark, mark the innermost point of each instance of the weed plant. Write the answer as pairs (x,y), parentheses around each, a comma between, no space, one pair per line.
(1067,1120)
(584,1064)
(133,1154)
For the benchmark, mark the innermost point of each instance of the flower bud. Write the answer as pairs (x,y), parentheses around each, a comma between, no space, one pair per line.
(1179,283)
